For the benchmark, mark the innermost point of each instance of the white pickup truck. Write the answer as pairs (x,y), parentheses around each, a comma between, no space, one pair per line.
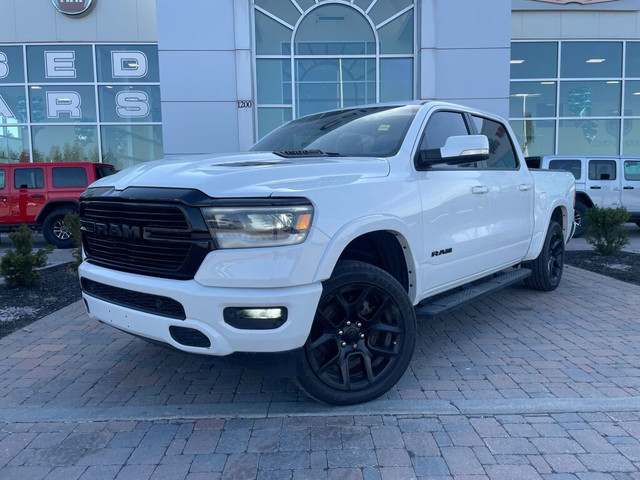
(325,240)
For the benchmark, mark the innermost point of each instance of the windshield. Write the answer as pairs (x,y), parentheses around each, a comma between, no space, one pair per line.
(370,132)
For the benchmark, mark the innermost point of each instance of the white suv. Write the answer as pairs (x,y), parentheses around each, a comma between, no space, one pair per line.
(605,181)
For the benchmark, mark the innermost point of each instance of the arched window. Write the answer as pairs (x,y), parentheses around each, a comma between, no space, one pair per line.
(313,56)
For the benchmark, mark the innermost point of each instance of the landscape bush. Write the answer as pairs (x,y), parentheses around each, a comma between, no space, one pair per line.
(18,267)
(604,229)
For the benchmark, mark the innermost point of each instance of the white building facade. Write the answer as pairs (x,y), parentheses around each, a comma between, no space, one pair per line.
(132,80)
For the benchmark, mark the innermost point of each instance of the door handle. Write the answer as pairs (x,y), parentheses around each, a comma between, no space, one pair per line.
(595,188)
(624,188)
(479,190)
(36,195)
(524,187)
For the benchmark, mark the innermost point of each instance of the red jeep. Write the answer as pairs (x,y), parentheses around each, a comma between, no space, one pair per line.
(41,194)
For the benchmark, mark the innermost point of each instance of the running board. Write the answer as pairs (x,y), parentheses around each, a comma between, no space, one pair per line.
(448,301)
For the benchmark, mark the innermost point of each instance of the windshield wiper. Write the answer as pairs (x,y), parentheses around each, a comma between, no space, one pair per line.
(305,153)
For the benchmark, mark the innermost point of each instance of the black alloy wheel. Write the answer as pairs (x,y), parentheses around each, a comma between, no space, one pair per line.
(547,268)
(362,337)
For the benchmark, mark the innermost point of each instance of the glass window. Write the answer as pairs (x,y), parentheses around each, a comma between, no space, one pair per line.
(274,81)
(127,145)
(14,144)
(534,59)
(631,138)
(383,10)
(572,166)
(441,126)
(28,178)
(69,143)
(590,99)
(397,35)
(272,38)
(334,29)
(103,170)
(62,104)
(127,63)
(501,151)
(373,131)
(396,79)
(69,177)
(271,118)
(60,63)
(532,99)
(2,179)
(13,106)
(11,64)
(536,137)
(633,60)
(588,137)
(283,10)
(632,98)
(632,170)
(591,59)
(125,104)
(602,170)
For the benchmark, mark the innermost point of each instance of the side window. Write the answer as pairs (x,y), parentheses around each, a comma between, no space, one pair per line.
(602,170)
(501,152)
(572,166)
(441,126)
(3,176)
(69,177)
(631,170)
(104,170)
(28,178)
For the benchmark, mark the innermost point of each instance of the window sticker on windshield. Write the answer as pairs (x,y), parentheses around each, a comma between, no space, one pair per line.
(383,128)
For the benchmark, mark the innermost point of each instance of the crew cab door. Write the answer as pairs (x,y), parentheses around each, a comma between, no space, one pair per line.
(511,193)
(603,184)
(476,216)
(4,197)
(631,186)
(29,194)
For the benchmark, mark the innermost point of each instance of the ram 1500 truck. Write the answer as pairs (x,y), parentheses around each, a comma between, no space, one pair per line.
(325,240)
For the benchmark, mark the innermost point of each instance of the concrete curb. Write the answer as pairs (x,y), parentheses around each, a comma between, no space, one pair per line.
(295,409)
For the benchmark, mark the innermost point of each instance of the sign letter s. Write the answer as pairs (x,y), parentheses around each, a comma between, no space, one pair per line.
(132,104)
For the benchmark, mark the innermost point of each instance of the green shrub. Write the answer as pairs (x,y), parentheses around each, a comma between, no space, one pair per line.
(604,229)
(72,222)
(18,266)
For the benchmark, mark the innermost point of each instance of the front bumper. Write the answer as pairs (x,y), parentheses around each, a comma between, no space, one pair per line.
(203,306)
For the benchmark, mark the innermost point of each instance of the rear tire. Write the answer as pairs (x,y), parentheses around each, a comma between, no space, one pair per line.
(362,337)
(547,268)
(55,231)
(580,212)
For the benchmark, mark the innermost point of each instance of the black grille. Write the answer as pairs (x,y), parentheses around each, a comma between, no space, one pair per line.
(157,239)
(143,302)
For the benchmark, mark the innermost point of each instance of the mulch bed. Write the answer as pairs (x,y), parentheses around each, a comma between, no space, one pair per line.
(59,287)
(20,306)
(623,266)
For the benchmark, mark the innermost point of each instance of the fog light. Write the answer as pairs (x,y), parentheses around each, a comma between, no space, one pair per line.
(255,318)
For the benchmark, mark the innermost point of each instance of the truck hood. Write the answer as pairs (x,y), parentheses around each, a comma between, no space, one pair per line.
(248,174)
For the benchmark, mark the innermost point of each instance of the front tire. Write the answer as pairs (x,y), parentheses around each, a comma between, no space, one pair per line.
(55,231)
(362,337)
(547,268)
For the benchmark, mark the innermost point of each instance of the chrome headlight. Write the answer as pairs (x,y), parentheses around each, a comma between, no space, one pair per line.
(251,227)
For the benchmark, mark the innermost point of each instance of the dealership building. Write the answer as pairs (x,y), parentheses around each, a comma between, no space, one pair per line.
(128,81)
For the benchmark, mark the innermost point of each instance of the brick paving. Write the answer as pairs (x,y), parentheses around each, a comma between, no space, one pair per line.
(518,385)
